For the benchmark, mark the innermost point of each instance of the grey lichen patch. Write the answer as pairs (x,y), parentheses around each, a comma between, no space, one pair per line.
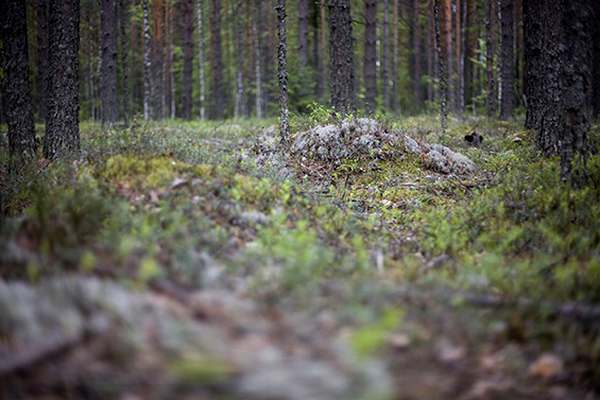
(365,138)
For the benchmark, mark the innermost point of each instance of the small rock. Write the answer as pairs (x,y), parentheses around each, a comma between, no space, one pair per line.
(399,340)
(547,366)
(449,352)
(178,182)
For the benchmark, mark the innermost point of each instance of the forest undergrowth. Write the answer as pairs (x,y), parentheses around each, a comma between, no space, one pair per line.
(192,260)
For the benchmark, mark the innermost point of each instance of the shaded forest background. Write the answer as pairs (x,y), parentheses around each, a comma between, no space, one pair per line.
(216,59)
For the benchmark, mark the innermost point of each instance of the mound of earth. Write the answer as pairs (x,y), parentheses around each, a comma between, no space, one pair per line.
(367,138)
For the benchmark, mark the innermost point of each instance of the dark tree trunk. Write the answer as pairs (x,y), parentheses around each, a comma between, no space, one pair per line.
(284,125)
(558,57)
(385,72)
(449,50)
(124,59)
(459,104)
(578,24)
(490,37)
(16,89)
(218,95)
(201,57)
(471,24)
(187,11)
(257,61)
(147,61)
(62,127)
(370,51)
(342,56)
(303,32)
(416,52)
(240,58)
(108,68)
(507,67)
(158,100)
(442,66)
(596,66)
(543,60)
(41,10)
(322,63)
(394,79)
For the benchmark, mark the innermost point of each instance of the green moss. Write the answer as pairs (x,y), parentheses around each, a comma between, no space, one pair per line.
(199,369)
(370,338)
(142,172)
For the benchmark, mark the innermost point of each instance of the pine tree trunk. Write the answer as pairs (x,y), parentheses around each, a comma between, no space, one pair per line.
(201,57)
(218,95)
(240,57)
(62,127)
(342,56)
(16,89)
(544,64)
(257,61)
(431,54)
(470,48)
(490,32)
(442,63)
(303,32)
(284,128)
(147,61)
(108,68)
(596,65)
(416,49)
(395,61)
(578,25)
(370,54)
(322,65)
(448,50)
(41,10)
(124,39)
(507,68)
(187,84)
(384,53)
(458,66)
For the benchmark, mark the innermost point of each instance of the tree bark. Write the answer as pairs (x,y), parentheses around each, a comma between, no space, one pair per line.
(507,68)
(458,58)
(41,10)
(449,51)
(201,57)
(470,48)
(442,63)
(596,65)
(578,25)
(147,61)
(342,56)
(394,79)
(218,95)
(558,57)
(385,80)
(490,32)
(124,59)
(370,54)
(322,65)
(257,61)
(416,52)
(543,53)
(187,10)
(284,125)
(16,89)
(240,57)
(108,67)
(62,127)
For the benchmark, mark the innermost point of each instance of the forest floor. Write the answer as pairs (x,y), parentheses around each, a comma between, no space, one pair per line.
(200,260)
